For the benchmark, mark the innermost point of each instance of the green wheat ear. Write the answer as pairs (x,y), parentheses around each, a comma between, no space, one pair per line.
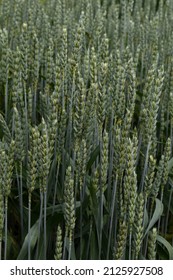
(138,226)
(121,242)
(69,207)
(31,178)
(8,158)
(86,93)
(58,247)
(152,244)
(5,128)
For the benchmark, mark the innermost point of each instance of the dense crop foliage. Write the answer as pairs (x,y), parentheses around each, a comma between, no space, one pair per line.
(86,129)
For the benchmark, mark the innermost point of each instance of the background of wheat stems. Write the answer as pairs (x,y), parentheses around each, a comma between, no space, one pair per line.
(86,129)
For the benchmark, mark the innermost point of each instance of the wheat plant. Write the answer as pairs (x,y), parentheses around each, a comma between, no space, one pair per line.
(86,129)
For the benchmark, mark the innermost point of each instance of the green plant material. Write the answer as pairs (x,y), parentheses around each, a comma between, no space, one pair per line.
(9,164)
(32,175)
(58,248)
(69,210)
(87,96)
(167,245)
(138,224)
(156,215)
(33,239)
(6,131)
(121,242)
(1,220)
(152,244)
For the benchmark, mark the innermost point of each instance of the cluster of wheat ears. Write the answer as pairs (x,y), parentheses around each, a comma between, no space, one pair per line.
(86,129)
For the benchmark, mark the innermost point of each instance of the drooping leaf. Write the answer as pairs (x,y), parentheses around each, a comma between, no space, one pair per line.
(156,215)
(167,245)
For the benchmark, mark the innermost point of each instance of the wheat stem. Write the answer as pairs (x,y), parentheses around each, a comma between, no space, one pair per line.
(45,231)
(112,215)
(6,230)
(29,226)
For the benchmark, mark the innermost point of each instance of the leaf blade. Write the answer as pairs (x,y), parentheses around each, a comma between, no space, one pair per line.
(156,215)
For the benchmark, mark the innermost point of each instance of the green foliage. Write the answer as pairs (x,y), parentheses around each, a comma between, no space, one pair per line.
(86,129)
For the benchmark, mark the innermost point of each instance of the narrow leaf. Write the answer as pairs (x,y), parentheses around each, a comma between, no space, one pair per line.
(167,245)
(156,215)
(34,236)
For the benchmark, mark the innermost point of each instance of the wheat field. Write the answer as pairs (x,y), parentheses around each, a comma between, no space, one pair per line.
(86,129)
